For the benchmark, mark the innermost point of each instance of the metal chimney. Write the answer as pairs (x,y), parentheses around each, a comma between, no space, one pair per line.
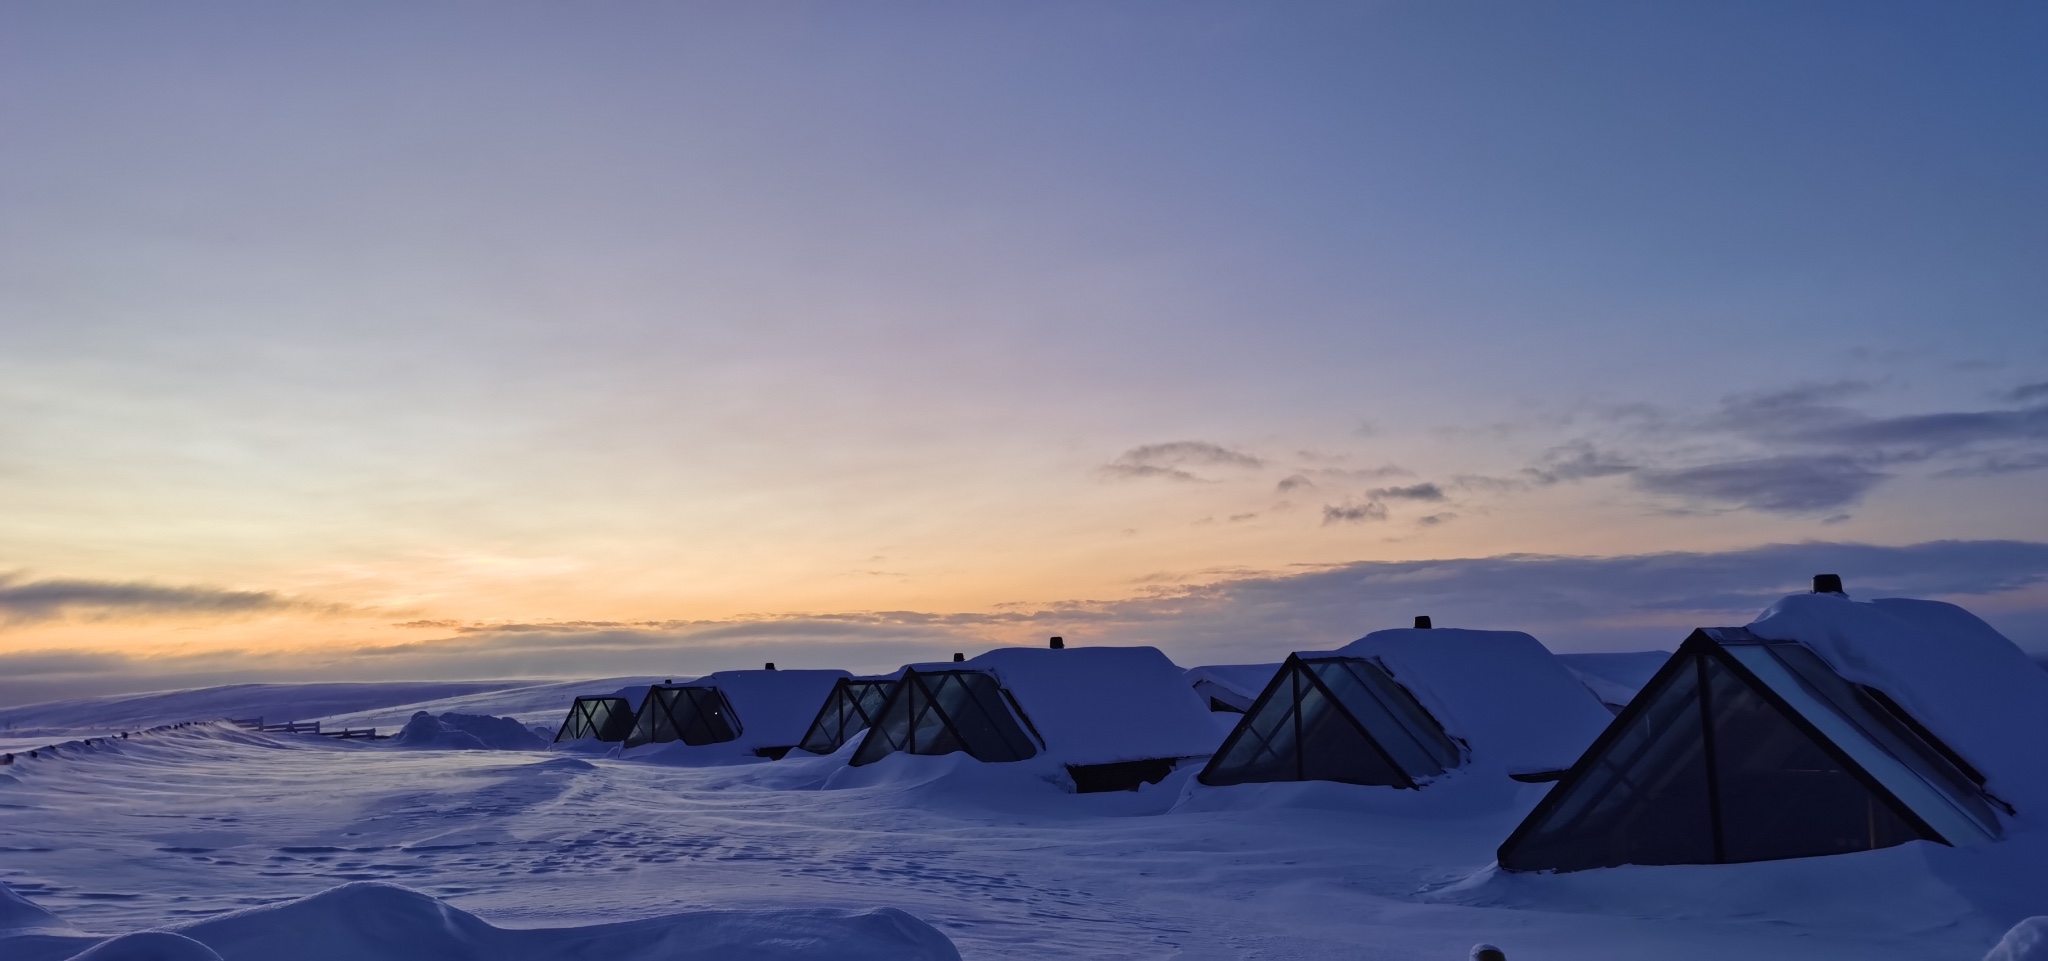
(770,667)
(1827,583)
(1422,622)
(958,657)
(1059,643)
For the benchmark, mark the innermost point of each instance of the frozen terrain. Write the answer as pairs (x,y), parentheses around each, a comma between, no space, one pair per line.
(526,853)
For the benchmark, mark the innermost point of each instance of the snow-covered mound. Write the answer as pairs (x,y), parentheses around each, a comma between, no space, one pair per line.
(149,946)
(20,917)
(1512,702)
(375,921)
(1969,685)
(275,703)
(2027,941)
(470,732)
(1102,705)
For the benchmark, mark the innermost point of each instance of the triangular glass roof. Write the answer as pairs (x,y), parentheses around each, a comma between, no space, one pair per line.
(1334,719)
(604,718)
(695,715)
(852,706)
(939,712)
(1742,749)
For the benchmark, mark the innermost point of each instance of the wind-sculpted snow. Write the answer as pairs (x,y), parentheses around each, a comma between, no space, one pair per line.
(148,946)
(374,921)
(2027,941)
(187,830)
(20,917)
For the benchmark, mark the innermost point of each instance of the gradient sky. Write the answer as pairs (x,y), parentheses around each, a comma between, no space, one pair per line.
(394,339)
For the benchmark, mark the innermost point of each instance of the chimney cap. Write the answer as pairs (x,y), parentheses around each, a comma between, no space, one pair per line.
(1827,583)
(1059,643)
(958,657)
(770,666)
(1422,622)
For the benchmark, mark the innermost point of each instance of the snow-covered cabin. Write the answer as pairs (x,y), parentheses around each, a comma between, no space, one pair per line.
(1825,726)
(602,717)
(852,706)
(1615,678)
(760,712)
(1230,687)
(1115,717)
(1399,707)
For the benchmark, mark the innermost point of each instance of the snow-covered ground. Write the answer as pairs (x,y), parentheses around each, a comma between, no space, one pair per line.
(184,826)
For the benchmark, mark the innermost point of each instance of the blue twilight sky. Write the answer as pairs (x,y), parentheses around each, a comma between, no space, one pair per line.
(420,331)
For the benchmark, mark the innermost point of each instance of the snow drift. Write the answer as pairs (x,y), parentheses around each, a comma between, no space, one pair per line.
(375,921)
(2027,941)
(467,732)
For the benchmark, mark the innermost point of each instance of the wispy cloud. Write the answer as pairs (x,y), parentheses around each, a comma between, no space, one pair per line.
(1354,513)
(1784,485)
(1802,450)
(23,601)
(1576,461)
(2027,392)
(1177,460)
(1633,602)
(1413,492)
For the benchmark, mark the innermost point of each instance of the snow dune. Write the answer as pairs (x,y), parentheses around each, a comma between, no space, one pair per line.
(187,828)
(388,922)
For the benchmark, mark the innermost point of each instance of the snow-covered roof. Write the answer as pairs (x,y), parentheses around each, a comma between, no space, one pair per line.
(1503,693)
(773,708)
(1101,705)
(1615,678)
(1237,685)
(1956,675)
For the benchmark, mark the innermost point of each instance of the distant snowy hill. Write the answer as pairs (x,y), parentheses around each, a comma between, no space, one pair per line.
(273,702)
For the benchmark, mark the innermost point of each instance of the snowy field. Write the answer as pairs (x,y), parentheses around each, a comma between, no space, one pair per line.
(562,856)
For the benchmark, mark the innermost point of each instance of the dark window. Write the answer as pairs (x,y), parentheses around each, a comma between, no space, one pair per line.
(1714,762)
(1409,735)
(693,715)
(1642,799)
(1333,719)
(853,706)
(1889,729)
(1782,794)
(604,718)
(940,712)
